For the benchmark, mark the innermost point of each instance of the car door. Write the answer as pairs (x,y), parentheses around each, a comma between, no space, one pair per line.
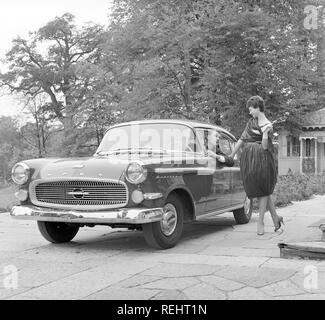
(219,196)
(237,187)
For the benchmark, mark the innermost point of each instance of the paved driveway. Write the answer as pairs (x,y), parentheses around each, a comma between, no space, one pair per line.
(215,259)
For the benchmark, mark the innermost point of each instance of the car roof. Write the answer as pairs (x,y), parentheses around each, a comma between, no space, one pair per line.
(190,123)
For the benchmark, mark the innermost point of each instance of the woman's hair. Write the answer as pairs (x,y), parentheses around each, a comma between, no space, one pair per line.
(256,102)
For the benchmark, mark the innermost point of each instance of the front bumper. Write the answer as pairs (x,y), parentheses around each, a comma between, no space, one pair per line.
(118,216)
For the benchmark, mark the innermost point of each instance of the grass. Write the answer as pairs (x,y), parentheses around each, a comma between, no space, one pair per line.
(7,198)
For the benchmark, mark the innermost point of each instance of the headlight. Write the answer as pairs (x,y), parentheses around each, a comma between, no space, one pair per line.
(20,173)
(136,173)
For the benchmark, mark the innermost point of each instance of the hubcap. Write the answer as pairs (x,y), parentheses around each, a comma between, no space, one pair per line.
(169,220)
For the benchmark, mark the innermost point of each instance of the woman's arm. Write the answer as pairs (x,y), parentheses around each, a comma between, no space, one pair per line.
(265,141)
(265,137)
(237,146)
(221,157)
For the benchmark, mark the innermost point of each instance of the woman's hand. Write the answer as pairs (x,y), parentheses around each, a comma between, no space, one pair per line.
(267,128)
(219,157)
(211,154)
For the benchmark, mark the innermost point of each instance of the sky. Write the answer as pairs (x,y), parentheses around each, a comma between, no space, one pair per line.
(18,17)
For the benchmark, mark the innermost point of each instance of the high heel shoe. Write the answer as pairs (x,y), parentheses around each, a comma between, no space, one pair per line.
(260,229)
(280,222)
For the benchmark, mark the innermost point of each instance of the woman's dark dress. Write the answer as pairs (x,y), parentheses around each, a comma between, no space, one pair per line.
(257,165)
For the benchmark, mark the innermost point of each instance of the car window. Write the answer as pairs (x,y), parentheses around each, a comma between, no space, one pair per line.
(207,138)
(224,144)
(227,145)
(202,135)
(151,136)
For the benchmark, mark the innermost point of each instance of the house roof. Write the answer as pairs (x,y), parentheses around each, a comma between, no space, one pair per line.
(315,119)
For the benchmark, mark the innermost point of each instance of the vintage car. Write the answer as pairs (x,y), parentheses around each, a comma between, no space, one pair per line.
(150,175)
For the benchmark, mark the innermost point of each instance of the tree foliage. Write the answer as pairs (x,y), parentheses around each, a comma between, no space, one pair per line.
(202,59)
(195,59)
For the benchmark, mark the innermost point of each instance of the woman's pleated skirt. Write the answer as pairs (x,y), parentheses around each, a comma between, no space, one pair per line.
(258,170)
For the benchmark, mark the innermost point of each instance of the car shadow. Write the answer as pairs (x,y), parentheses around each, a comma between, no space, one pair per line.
(123,239)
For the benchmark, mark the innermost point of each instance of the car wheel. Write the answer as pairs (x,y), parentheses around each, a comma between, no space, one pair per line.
(165,234)
(244,214)
(57,232)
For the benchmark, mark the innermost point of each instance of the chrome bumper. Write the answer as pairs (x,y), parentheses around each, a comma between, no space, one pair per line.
(118,216)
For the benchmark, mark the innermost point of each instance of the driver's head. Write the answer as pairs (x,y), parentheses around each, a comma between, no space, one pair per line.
(213,141)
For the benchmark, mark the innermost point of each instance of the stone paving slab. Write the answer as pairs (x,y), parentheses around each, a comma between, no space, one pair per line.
(215,260)
(249,293)
(205,291)
(243,252)
(77,286)
(293,264)
(170,295)
(207,259)
(116,293)
(303,297)
(282,288)
(173,270)
(11,293)
(170,283)
(32,275)
(222,283)
(255,277)
(299,279)
(137,280)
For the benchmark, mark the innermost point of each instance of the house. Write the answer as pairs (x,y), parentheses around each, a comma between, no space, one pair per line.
(305,152)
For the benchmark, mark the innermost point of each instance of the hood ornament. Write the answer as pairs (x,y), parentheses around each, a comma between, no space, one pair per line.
(78,193)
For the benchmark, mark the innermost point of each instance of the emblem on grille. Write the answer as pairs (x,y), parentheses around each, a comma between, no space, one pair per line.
(78,193)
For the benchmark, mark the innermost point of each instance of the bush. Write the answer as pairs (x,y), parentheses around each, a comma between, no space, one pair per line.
(7,198)
(297,187)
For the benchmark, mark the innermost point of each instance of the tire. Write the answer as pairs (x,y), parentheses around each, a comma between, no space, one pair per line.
(244,214)
(159,235)
(57,232)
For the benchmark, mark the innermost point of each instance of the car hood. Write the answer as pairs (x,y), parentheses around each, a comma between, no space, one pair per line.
(84,168)
(103,167)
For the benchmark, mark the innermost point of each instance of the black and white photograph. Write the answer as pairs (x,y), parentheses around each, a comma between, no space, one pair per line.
(162,150)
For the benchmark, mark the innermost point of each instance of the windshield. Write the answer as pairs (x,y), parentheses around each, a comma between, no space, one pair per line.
(157,137)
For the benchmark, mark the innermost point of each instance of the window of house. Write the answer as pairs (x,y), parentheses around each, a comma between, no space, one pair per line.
(308,147)
(293,146)
(288,146)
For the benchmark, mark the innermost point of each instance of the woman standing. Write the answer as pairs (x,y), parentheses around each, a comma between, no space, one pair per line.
(257,164)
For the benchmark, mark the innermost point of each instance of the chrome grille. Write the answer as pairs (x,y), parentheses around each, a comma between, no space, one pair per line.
(86,194)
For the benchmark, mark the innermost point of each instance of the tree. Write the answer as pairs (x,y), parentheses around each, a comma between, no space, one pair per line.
(36,134)
(57,72)
(202,59)
(10,146)
(155,42)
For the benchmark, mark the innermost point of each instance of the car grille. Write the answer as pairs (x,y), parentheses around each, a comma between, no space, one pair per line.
(88,194)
